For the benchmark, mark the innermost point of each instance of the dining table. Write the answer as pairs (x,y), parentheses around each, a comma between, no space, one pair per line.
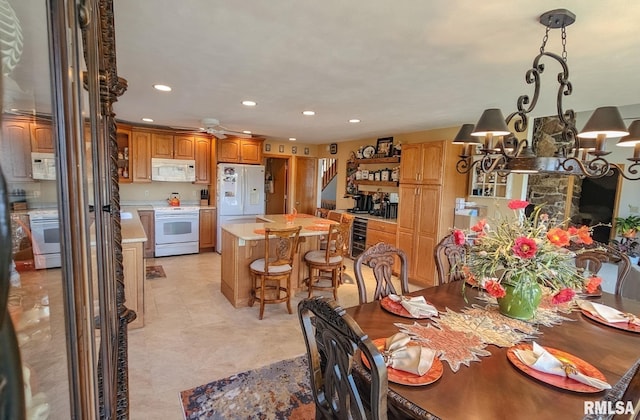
(493,387)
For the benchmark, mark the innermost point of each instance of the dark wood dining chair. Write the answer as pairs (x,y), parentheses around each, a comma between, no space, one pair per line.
(269,272)
(449,259)
(325,266)
(591,259)
(381,258)
(332,338)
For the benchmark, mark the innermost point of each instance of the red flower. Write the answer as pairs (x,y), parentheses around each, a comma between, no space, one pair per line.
(564,295)
(517,204)
(592,285)
(458,237)
(494,288)
(558,237)
(479,227)
(584,235)
(525,247)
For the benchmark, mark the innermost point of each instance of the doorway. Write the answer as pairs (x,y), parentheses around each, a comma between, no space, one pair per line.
(598,203)
(276,185)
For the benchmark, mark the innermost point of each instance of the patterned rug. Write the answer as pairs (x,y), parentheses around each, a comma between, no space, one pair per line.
(154,272)
(278,391)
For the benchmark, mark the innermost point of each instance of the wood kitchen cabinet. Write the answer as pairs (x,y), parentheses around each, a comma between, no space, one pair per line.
(148,224)
(140,156)
(123,139)
(204,158)
(240,150)
(15,144)
(426,203)
(42,137)
(207,229)
(167,145)
(379,231)
(133,267)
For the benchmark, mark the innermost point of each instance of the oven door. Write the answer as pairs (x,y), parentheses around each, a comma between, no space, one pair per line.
(46,236)
(176,228)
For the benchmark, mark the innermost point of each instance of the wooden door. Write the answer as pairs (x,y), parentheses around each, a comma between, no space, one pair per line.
(15,156)
(229,150)
(203,160)
(276,198)
(411,163)
(140,156)
(306,180)
(432,162)
(162,145)
(147,221)
(207,229)
(42,137)
(426,234)
(251,151)
(183,147)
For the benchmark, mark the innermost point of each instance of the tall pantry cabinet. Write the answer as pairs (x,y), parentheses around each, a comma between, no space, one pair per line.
(429,184)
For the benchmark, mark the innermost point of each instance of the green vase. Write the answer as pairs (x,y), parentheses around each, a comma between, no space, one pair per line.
(521,303)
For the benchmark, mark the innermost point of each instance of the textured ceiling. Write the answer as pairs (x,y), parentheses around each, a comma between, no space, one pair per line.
(398,66)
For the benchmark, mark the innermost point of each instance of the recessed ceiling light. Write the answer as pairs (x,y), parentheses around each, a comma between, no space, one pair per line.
(249,103)
(292,139)
(163,88)
(308,113)
(147,119)
(354,120)
(247,132)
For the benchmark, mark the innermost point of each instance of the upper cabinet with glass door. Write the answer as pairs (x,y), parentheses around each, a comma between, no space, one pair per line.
(489,185)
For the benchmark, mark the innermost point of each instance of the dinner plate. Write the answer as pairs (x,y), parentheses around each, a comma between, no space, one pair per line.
(368,152)
(626,326)
(557,381)
(406,378)
(396,308)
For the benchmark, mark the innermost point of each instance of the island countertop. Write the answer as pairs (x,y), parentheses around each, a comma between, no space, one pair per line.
(311,226)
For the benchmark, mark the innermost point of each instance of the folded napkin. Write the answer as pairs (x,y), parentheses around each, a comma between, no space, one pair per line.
(417,306)
(540,359)
(608,313)
(413,359)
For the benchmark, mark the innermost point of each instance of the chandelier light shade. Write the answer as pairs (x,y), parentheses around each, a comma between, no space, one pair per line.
(605,121)
(464,135)
(491,122)
(576,154)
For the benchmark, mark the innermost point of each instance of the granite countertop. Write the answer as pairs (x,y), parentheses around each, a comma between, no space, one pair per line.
(370,217)
(247,232)
(132,230)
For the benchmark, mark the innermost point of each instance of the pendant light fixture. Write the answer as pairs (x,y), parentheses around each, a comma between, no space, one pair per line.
(498,149)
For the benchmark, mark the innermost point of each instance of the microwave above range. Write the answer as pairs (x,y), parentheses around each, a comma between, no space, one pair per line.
(43,166)
(173,170)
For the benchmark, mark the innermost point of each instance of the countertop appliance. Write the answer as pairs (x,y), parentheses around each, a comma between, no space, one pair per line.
(239,196)
(363,204)
(173,170)
(45,233)
(177,230)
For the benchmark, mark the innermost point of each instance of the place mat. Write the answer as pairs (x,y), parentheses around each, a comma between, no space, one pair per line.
(454,347)
(259,231)
(325,222)
(547,314)
(304,216)
(154,272)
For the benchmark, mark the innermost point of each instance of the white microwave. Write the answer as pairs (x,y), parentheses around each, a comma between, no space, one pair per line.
(173,170)
(43,166)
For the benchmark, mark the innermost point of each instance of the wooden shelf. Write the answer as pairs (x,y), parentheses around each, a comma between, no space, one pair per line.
(393,159)
(378,183)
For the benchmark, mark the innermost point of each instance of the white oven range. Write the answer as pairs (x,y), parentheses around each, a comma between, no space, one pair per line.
(177,230)
(45,233)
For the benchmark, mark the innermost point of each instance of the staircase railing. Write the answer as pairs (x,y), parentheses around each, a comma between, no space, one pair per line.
(329,171)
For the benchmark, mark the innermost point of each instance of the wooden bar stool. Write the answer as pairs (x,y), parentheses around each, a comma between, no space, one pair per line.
(268,272)
(329,260)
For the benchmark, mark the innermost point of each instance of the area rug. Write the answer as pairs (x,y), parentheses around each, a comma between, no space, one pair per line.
(278,391)
(154,272)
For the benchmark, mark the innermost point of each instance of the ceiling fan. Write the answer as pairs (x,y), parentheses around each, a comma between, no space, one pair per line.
(212,127)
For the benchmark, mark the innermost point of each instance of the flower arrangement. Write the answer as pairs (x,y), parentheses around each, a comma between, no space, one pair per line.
(524,254)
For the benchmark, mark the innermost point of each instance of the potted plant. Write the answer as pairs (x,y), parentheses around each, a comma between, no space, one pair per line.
(627,227)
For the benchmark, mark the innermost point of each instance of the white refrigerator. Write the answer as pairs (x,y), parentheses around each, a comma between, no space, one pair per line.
(239,195)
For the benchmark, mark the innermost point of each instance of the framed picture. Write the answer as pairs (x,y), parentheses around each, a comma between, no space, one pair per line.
(306,150)
(333,148)
(267,147)
(384,147)
(294,149)
(281,148)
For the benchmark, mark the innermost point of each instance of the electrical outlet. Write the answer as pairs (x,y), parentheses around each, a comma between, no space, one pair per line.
(146,193)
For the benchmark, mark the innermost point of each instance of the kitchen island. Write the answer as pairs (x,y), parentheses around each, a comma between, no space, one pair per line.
(244,243)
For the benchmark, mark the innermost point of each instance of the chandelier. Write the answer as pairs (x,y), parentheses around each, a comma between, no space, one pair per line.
(490,146)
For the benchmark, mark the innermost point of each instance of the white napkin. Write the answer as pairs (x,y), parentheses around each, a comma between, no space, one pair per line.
(413,359)
(417,306)
(608,313)
(543,361)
